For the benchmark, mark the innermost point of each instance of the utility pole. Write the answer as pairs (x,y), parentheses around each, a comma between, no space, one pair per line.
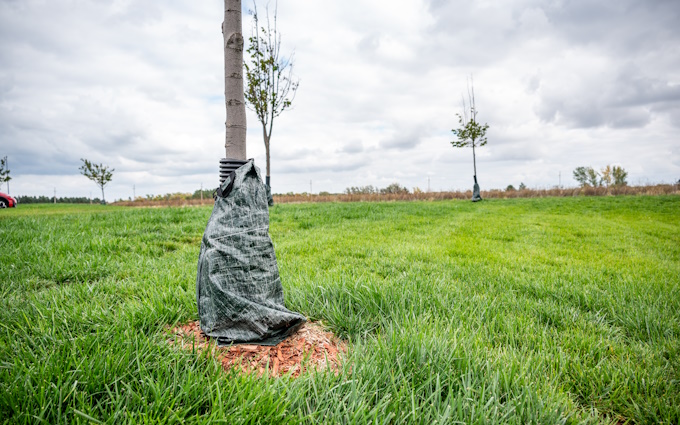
(134,195)
(201,192)
(55,195)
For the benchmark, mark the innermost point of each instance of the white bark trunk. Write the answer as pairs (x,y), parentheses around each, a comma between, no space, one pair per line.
(266,147)
(235,141)
(474,158)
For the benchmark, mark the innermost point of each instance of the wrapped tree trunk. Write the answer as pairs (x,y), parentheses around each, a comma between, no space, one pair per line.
(238,288)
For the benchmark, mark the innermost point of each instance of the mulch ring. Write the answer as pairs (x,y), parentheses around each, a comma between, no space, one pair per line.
(310,348)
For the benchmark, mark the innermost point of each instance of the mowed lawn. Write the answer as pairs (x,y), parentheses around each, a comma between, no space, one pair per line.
(506,311)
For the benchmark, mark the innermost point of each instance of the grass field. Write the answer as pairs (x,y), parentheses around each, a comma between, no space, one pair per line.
(551,310)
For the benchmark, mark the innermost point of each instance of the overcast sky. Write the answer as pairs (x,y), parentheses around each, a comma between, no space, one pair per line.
(138,85)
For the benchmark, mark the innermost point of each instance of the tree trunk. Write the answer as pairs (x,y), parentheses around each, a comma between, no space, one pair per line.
(235,141)
(268,181)
(476,196)
(474,159)
(103,199)
(266,148)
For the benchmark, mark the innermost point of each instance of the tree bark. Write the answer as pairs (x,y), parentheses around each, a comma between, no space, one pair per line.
(235,140)
(474,159)
(266,147)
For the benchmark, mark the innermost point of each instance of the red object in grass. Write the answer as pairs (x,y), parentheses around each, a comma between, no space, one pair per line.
(7,201)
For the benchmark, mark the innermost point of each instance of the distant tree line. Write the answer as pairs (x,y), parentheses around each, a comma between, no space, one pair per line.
(511,188)
(206,194)
(609,176)
(60,200)
(394,188)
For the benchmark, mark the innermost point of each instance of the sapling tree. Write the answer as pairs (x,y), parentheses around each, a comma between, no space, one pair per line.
(587,176)
(470,133)
(4,172)
(593,177)
(238,289)
(269,75)
(607,178)
(581,176)
(619,175)
(98,173)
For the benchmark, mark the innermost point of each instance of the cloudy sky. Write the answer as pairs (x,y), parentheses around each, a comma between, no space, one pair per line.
(139,85)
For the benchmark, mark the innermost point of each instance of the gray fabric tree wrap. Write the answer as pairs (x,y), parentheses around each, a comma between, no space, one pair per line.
(238,288)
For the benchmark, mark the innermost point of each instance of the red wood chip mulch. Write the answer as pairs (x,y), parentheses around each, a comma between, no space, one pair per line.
(310,348)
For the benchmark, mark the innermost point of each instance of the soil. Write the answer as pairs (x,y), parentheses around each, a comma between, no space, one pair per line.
(310,348)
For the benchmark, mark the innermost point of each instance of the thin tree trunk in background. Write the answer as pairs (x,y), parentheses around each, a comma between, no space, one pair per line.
(266,147)
(235,140)
(474,160)
(476,196)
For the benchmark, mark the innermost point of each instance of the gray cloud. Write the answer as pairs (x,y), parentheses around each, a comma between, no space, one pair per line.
(352,147)
(332,165)
(296,154)
(519,151)
(624,27)
(628,99)
(402,140)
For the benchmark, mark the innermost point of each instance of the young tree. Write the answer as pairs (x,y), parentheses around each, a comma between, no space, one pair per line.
(593,177)
(607,178)
(235,137)
(271,85)
(99,174)
(619,175)
(471,133)
(581,176)
(4,172)
(586,176)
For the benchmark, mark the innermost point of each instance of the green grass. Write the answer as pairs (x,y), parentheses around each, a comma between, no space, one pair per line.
(507,311)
